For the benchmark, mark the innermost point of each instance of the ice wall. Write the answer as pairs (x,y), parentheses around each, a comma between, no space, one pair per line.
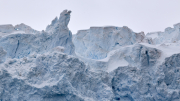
(22,40)
(106,64)
(96,42)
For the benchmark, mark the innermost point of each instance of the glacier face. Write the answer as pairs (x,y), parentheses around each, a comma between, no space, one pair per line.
(99,64)
(98,41)
(25,40)
(53,76)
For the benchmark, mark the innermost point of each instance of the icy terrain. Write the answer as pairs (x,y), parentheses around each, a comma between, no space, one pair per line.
(98,64)
(104,39)
(22,40)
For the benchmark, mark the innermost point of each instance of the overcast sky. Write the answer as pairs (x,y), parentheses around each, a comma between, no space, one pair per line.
(139,15)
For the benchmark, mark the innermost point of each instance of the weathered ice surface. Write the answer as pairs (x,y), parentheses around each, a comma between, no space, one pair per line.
(25,28)
(137,55)
(2,54)
(6,28)
(98,41)
(52,76)
(161,83)
(99,64)
(25,41)
(171,35)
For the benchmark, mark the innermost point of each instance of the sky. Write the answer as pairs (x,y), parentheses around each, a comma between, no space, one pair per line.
(138,15)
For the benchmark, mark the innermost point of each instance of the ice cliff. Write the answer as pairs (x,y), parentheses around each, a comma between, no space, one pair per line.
(22,40)
(104,39)
(98,64)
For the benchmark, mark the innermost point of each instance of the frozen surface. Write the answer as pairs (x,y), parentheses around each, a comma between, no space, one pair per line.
(2,54)
(6,28)
(153,35)
(52,76)
(96,42)
(136,55)
(99,64)
(25,40)
(171,35)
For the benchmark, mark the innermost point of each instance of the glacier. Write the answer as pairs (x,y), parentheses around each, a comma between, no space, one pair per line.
(98,64)
(104,39)
(24,41)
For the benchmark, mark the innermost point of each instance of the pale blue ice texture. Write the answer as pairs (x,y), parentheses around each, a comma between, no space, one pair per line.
(170,35)
(48,66)
(26,40)
(96,42)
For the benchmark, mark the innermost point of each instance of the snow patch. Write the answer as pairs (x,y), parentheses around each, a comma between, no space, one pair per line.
(115,64)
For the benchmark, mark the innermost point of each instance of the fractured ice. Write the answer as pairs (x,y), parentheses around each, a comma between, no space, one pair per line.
(98,64)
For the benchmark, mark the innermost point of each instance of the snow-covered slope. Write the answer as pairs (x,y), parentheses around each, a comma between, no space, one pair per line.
(137,55)
(99,64)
